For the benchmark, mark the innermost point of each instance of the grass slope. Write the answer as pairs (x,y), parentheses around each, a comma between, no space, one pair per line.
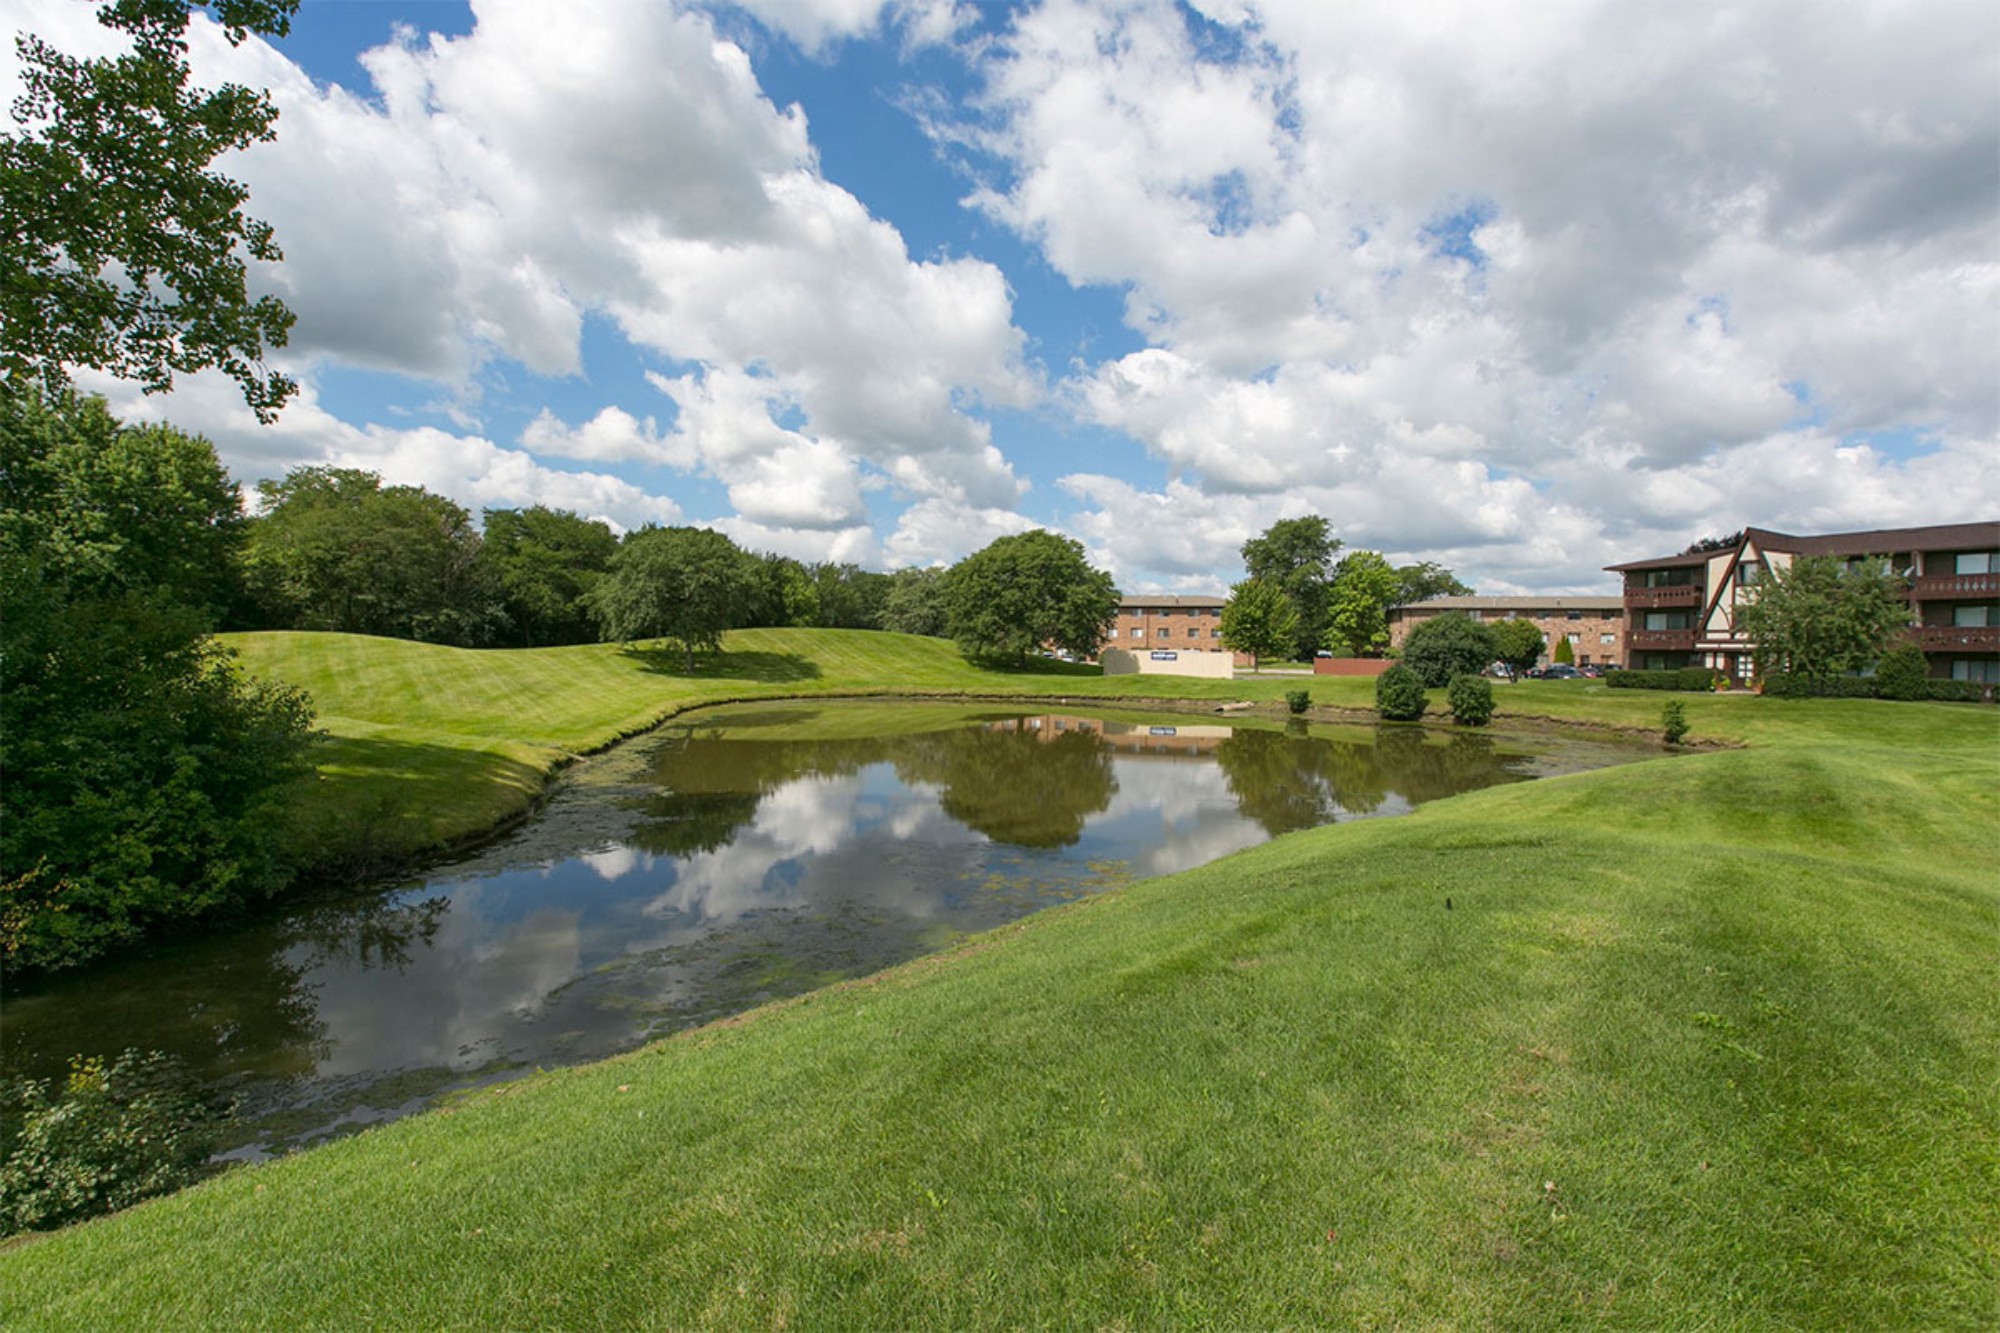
(1707,1041)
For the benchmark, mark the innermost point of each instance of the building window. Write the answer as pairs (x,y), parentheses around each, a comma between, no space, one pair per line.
(1669,578)
(1749,575)
(1215,634)
(1194,631)
(1162,631)
(1573,615)
(1985,670)
(1977,562)
(1138,633)
(1669,620)
(1977,614)
(1607,638)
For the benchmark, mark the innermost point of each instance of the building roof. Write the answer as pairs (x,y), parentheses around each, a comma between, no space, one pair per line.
(1170,600)
(1556,602)
(1874,541)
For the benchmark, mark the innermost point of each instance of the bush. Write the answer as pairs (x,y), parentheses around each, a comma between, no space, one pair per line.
(1471,700)
(1446,646)
(1784,685)
(1903,674)
(1696,679)
(116,1134)
(1674,721)
(1298,700)
(1565,655)
(1956,691)
(1399,694)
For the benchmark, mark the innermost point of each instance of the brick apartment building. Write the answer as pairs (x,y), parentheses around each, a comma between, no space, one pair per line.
(1594,626)
(1680,609)
(1169,622)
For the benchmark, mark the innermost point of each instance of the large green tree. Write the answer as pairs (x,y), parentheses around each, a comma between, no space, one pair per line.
(915,603)
(124,251)
(143,773)
(1297,555)
(1448,645)
(545,562)
(1364,588)
(1518,643)
(1027,592)
(335,549)
(1423,581)
(1260,620)
(685,585)
(1824,617)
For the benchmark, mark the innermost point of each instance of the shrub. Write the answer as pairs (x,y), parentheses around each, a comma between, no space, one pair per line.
(1685,678)
(1674,721)
(1565,655)
(1956,691)
(1788,685)
(1902,673)
(1446,646)
(1471,700)
(115,1134)
(1298,700)
(1399,694)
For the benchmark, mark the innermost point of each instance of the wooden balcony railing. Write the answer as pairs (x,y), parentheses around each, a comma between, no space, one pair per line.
(1935,586)
(1685,594)
(1955,638)
(1660,640)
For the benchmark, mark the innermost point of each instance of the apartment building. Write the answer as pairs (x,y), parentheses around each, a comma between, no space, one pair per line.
(1680,609)
(1166,621)
(1594,626)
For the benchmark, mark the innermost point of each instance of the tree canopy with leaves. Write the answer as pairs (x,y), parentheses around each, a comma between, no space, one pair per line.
(1446,646)
(1259,619)
(1364,588)
(124,251)
(545,562)
(1296,555)
(685,585)
(1518,643)
(1824,617)
(1027,592)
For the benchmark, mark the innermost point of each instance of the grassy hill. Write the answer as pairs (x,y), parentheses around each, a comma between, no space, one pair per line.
(1705,1041)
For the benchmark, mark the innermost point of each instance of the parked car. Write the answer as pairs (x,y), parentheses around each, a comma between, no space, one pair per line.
(1560,671)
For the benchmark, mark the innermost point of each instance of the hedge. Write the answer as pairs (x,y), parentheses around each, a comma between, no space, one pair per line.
(1779,685)
(1687,678)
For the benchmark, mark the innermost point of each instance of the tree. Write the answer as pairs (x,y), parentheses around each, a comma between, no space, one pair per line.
(335,549)
(113,509)
(1903,674)
(1517,643)
(1297,554)
(685,585)
(1824,617)
(1565,653)
(1260,620)
(1421,582)
(545,562)
(1364,588)
(143,773)
(915,603)
(1446,646)
(849,596)
(1027,592)
(124,251)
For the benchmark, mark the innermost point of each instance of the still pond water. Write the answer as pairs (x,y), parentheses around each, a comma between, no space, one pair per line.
(735,856)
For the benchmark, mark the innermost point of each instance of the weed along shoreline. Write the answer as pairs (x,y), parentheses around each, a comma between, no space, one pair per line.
(1703,1039)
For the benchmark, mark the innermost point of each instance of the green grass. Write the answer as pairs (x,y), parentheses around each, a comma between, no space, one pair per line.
(1707,1041)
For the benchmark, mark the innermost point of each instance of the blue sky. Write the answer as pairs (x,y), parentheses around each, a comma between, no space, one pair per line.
(1525,289)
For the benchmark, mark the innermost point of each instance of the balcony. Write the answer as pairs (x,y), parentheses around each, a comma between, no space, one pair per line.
(1685,594)
(1660,640)
(1937,586)
(1956,638)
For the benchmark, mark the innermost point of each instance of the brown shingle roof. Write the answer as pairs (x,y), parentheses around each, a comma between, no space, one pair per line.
(1874,541)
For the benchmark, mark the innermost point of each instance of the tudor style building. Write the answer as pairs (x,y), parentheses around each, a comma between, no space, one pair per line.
(1680,609)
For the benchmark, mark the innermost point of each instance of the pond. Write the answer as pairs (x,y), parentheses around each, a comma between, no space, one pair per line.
(732,857)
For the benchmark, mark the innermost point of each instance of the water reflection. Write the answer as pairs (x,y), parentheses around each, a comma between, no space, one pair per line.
(749,854)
